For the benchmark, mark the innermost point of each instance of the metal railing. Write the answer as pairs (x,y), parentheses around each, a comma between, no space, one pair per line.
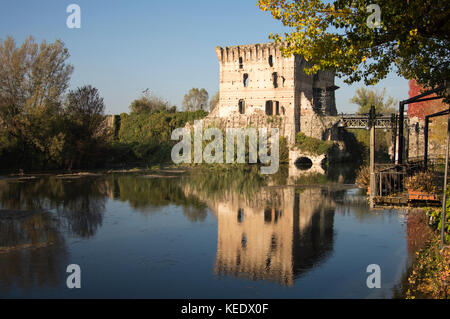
(389,180)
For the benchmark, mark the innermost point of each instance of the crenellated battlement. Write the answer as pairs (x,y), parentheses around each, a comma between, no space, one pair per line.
(248,52)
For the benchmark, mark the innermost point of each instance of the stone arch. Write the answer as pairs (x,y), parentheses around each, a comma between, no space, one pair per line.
(303,163)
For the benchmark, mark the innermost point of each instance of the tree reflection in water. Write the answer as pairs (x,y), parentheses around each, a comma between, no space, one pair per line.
(32,250)
(80,202)
(264,232)
(32,246)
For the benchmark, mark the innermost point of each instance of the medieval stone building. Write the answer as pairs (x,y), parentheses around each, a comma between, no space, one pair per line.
(259,87)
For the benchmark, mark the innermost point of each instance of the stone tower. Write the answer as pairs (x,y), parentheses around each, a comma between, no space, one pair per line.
(261,88)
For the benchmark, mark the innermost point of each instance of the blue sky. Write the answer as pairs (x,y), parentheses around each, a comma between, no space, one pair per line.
(124,47)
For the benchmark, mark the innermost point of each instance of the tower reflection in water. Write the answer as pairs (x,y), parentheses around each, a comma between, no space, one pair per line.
(277,236)
(264,233)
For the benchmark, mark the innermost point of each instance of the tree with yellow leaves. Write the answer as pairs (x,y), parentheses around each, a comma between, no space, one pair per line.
(340,35)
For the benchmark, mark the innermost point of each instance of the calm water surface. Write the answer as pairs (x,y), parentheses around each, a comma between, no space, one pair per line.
(194,235)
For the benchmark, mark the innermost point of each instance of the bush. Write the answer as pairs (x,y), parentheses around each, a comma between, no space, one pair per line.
(284,150)
(148,135)
(363,177)
(313,145)
(435,218)
(422,181)
(430,273)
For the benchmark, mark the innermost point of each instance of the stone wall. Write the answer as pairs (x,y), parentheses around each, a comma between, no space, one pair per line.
(417,141)
(258,84)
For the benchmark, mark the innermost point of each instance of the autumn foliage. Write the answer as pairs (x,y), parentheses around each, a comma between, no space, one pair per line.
(422,109)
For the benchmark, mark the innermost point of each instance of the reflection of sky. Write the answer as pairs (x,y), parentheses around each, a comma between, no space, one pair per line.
(124,47)
(164,255)
(172,249)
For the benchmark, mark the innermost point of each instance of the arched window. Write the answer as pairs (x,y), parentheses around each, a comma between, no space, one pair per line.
(269,107)
(272,108)
(245,80)
(275,79)
(240,216)
(241,63)
(318,100)
(271,61)
(268,215)
(244,241)
(242,106)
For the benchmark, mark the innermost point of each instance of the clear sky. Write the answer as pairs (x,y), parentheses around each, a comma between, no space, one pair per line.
(124,47)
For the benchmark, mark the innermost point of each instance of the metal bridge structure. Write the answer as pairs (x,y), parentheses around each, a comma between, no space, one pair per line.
(362,121)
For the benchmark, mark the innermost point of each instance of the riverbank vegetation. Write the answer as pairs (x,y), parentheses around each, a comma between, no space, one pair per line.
(428,276)
(313,145)
(422,181)
(435,218)
(363,177)
(146,137)
(44,127)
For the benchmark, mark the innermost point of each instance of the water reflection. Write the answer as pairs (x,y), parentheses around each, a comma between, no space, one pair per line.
(277,236)
(80,202)
(265,232)
(34,217)
(32,249)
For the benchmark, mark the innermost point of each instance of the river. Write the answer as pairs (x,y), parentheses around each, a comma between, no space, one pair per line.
(196,234)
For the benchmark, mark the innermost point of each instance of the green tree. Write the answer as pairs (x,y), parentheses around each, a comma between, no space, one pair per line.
(196,99)
(85,128)
(85,107)
(148,103)
(31,75)
(335,35)
(33,79)
(365,98)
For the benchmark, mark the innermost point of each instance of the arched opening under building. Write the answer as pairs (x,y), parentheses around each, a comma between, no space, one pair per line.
(303,163)
(324,163)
